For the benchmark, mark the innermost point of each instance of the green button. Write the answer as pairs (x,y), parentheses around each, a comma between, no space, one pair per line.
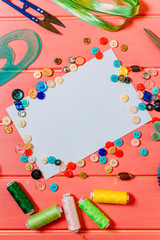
(155,90)
(155,136)
(25,102)
(156,125)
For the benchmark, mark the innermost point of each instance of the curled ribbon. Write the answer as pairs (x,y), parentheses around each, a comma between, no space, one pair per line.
(80,9)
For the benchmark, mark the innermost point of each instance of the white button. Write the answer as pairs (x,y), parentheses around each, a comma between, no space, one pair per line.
(135,142)
(113,44)
(37,74)
(113,162)
(21,123)
(139,94)
(59,80)
(51,84)
(44,159)
(27,138)
(21,113)
(73,67)
(94,158)
(6,120)
(80,163)
(31,159)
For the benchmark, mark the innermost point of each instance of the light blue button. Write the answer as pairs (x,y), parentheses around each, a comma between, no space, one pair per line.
(51,160)
(25,102)
(118,142)
(137,134)
(103,160)
(54,187)
(95,50)
(155,90)
(117,63)
(143,152)
(114,78)
(24,158)
(141,106)
(41,86)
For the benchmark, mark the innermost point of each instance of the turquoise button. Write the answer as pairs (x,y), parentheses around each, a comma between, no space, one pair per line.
(54,187)
(141,106)
(143,152)
(136,134)
(114,78)
(103,160)
(41,86)
(95,50)
(117,63)
(155,90)
(156,125)
(51,159)
(24,158)
(118,142)
(25,102)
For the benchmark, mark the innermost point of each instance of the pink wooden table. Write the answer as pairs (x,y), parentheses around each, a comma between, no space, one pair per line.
(140,219)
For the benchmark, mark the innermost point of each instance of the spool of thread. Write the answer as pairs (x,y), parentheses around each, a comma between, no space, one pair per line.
(71,213)
(94,213)
(44,217)
(108,196)
(20,197)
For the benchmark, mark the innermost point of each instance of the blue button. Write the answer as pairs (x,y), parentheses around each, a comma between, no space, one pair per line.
(19,105)
(102,152)
(118,142)
(54,187)
(103,160)
(24,158)
(141,106)
(117,63)
(147,96)
(95,50)
(41,95)
(136,134)
(41,86)
(155,90)
(17,94)
(51,160)
(114,78)
(143,152)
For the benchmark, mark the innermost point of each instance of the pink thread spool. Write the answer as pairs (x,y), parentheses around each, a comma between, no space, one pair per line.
(71,213)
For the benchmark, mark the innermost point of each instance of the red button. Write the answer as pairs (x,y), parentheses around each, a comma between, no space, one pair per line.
(155,119)
(140,87)
(68,173)
(99,55)
(103,40)
(119,153)
(109,144)
(71,165)
(28,152)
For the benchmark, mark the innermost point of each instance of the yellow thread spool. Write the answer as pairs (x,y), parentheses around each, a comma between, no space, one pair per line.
(108,196)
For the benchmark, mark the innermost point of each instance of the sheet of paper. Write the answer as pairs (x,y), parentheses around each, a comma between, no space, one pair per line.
(79,116)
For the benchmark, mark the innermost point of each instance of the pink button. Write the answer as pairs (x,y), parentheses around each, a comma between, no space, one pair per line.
(152,71)
(19,149)
(149,84)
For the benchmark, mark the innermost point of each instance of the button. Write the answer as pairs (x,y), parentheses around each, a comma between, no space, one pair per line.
(113,44)
(102,159)
(25,102)
(156,125)
(149,107)
(53,187)
(51,159)
(146,75)
(113,163)
(154,97)
(112,150)
(8,129)
(123,71)
(155,90)
(143,152)
(28,152)
(114,78)
(155,119)
(24,158)
(149,84)
(68,173)
(124,176)
(37,74)
(99,55)
(140,87)
(141,106)
(6,121)
(36,174)
(94,50)
(32,159)
(71,59)
(108,169)
(71,165)
(27,146)
(147,96)
(135,68)
(137,134)
(17,94)
(62,167)
(29,167)
(133,109)
(136,120)
(21,123)
(58,162)
(124,48)
(33,93)
(80,61)
(19,149)
(40,186)
(118,142)
(121,78)
(139,94)
(116,63)
(47,72)
(135,142)
(156,105)
(58,80)
(41,95)
(102,152)
(124,98)
(73,67)
(109,144)
(94,158)
(18,105)
(44,159)
(65,69)
(27,138)
(57,61)
(118,153)
(87,41)
(127,80)
(51,84)
(41,86)
(103,40)
(155,136)
(152,71)
(83,175)
(80,163)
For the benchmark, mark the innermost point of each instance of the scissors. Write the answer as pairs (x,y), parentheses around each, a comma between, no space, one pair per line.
(153,37)
(47,16)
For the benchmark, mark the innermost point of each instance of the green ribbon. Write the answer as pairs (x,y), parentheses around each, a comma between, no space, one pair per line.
(82,9)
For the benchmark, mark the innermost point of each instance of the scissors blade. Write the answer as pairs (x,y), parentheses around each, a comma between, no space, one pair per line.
(48,26)
(52,19)
(153,37)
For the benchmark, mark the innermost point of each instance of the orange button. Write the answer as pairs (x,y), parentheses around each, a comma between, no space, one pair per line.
(68,173)
(71,165)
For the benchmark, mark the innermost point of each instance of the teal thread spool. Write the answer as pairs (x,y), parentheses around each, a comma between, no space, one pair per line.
(20,197)
(94,213)
(44,217)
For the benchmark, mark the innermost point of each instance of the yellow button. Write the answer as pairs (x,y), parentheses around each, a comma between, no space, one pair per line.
(73,67)
(123,71)
(21,123)
(112,150)
(47,72)
(82,175)
(6,120)
(29,167)
(58,80)
(33,93)
(108,169)
(62,167)
(27,146)
(80,163)
(8,129)
(44,159)
(124,98)
(51,84)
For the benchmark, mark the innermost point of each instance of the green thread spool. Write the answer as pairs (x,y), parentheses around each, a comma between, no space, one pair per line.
(20,197)
(94,213)
(44,217)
